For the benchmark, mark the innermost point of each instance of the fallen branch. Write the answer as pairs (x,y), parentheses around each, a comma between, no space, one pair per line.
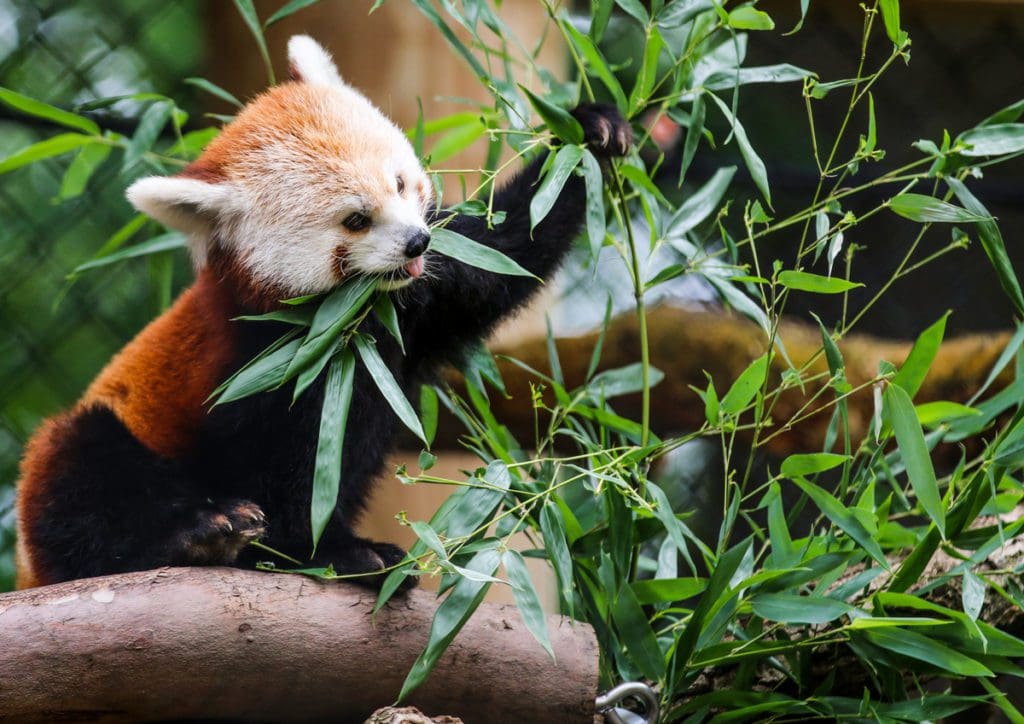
(222,643)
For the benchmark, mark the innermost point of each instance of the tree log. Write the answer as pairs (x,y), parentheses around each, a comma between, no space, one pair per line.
(684,343)
(222,643)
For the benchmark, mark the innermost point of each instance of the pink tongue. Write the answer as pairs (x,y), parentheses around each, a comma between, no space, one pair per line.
(415,267)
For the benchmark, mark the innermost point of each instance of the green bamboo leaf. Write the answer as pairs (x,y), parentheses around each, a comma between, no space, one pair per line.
(750,18)
(385,310)
(917,646)
(451,616)
(931,414)
(914,451)
(299,316)
(922,354)
(794,608)
(1009,114)
(600,11)
(973,594)
(699,205)
(994,140)
(457,140)
(334,313)
(780,73)
(252,21)
(694,132)
(156,245)
(457,45)
(333,417)
(746,386)
(32,107)
(844,518)
(636,635)
(430,538)
(927,209)
(595,202)
(891,17)
(623,381)
(150,125)
(214,90)
(387,385)
(558,120)
(54,146)
(289,9)
(428,412)
(527,601)
(641,180)
(566,160)
(815,283)
(992,242)
(647,76)
(81,170)
(676,529)
(264,373)
(667,590)
(596,63)
(635,9)
(811,464)
(552,527)
(457,246)
(674,14)
(754,163)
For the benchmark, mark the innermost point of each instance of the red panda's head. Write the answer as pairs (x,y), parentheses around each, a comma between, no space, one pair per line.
(308,185)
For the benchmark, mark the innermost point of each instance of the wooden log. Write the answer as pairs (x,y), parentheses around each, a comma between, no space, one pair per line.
(223,643)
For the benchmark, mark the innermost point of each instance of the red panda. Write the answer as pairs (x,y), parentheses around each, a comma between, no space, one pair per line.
(309,185)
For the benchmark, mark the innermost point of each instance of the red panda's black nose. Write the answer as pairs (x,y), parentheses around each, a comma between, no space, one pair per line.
(417,244)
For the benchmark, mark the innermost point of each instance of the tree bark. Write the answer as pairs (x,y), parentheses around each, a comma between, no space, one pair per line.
(222,643)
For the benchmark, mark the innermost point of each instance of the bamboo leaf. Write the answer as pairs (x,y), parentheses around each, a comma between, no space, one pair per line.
(754,163)
(815,283)
(891,17)
(263,373)
(457,246)
(451,616)
(595,203)
(552,527)
(527,601)
(922,354)
(914,451)
(995,140)
(156,245)
(428,412)
(252,21)
(558,120)
(150,125)
(596,63)
(387,385)
(333,418)
(992,242)
(566,160)
(794,608)
(636,634)
(385,310)
(746,386)
(750,18)
(811,464)
(214,90)
(844,518)
(289,9)
(699,205)
(81,170)
(54,146)
(927,209)
(32,107)
(917,646)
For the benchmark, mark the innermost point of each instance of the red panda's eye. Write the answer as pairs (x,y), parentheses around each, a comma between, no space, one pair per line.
(401,184)
(356,221)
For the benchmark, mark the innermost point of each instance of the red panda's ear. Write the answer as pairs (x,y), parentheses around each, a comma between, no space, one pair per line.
(186,204)
(308,62)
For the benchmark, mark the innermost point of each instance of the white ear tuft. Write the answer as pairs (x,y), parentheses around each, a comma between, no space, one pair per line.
(185,204)
(310,63)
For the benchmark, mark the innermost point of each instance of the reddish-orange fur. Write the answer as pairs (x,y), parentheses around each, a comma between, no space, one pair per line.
(157,386)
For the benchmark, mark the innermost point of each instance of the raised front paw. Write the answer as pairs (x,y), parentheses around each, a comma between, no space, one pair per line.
(604,129)
(219,534)
(371,559)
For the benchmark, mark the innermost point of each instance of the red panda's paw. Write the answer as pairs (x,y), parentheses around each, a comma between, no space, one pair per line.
(219,534)
(372,559)
(605,131)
